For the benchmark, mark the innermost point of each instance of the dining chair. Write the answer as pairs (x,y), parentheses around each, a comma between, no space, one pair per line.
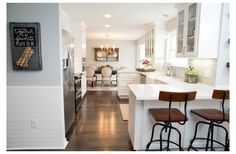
(91,77)
(106,75)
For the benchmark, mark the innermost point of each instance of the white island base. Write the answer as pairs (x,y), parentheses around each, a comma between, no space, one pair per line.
(140,121)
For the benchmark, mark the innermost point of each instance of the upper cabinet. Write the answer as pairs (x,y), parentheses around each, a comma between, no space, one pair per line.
(149,42)
(199,30)
(83,40)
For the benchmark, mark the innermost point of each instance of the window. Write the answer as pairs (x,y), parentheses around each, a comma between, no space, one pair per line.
(141,54)
(171,49)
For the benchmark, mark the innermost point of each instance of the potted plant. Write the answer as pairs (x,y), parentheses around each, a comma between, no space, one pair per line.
(191,75)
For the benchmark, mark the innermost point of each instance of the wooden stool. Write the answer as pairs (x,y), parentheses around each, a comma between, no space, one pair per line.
(166,116)
(215,118)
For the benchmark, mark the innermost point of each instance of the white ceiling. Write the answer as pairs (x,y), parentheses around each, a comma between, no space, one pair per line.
(128,20)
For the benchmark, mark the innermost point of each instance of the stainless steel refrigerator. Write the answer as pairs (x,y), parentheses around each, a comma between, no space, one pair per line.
(68,79)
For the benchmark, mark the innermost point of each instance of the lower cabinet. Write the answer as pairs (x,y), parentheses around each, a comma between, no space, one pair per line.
(154,81)
(83,84)
(125,78)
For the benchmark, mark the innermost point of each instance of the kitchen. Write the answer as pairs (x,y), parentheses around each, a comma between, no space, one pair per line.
(200,45)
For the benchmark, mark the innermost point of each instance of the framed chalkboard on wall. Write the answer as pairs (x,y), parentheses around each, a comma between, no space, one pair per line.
(25,45)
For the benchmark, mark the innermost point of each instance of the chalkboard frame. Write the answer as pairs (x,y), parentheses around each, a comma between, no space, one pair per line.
(17,49)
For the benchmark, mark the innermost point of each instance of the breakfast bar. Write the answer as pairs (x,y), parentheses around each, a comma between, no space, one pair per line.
(142,97)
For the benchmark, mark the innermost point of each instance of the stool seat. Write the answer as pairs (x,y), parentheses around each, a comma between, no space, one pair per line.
(211,114)
(162,115)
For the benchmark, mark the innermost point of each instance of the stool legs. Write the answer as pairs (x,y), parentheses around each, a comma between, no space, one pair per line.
(165,127)
(149,143)
(210,137)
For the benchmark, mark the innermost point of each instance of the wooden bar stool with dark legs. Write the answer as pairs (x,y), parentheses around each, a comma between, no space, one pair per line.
(166,116)
(213,118)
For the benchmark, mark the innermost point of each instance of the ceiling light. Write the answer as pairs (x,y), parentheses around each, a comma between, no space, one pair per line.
(107,15)
(165,15)
(109,49)
(107,26)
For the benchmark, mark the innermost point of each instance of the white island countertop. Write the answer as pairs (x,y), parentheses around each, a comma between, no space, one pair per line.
(151,91)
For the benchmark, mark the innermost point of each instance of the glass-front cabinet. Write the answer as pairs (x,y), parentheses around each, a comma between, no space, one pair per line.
(181,31)
(191,27)
(187,26)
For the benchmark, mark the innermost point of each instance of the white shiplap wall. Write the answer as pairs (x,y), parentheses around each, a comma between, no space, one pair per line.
(41,103)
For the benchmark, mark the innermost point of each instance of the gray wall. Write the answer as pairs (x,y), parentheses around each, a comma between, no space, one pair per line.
(49,75)
(35,108)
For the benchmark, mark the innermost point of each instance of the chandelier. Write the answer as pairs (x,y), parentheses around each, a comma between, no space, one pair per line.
(107,48)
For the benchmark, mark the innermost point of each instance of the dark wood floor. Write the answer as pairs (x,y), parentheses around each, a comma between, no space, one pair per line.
(99,125)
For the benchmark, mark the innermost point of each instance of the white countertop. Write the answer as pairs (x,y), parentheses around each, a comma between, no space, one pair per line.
(151,91)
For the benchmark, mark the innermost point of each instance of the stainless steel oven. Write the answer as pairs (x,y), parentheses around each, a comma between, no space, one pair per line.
(78,93)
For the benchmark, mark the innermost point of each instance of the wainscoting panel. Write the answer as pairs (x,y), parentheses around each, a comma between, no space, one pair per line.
(35,117)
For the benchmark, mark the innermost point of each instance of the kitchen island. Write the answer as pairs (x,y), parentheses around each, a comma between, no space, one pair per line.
(145,96)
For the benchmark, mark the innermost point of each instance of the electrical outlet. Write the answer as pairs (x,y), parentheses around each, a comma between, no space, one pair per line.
(207,73)
(34,123)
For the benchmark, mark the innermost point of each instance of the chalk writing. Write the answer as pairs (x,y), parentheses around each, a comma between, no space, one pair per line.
(24,36)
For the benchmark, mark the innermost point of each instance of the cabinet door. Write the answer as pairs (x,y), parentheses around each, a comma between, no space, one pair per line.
(83,84)
(187,31)
(181,33)
(149,42)
(191,30)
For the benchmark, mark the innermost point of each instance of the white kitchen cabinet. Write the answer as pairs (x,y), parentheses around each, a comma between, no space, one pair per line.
(83,39)
(125,78)
(159,40)
(153,81)
(83,84)
(149,41)
(199,30)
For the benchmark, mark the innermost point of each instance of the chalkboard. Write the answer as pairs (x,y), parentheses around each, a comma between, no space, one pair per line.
(25,45)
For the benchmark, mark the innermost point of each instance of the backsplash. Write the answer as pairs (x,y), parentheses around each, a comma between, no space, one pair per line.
(158,64)
(206,69)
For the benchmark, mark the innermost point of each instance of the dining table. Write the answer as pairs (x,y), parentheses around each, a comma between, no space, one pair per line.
(114,72)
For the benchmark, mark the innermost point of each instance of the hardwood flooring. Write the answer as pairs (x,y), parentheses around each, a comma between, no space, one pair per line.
(99,125)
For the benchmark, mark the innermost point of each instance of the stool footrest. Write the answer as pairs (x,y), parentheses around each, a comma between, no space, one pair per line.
(201,138)
(165,147)
(209,139)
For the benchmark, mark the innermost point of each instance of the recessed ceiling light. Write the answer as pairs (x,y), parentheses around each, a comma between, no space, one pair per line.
(107,26)
(165,15)
(107,15)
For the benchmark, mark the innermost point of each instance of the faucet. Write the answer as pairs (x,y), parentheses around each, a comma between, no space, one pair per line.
(169,69)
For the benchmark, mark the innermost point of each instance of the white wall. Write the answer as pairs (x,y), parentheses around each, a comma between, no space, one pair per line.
(79,31)
(127,53)
(36,95)
(139,42)
(222,73)
(171,24)
(160,40)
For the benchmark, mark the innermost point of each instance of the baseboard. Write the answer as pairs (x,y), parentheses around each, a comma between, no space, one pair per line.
(85,95)
(37,149)
(65,142)
(123,97)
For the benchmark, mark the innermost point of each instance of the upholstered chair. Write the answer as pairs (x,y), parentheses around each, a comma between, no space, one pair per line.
(106,75)
(91,77)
